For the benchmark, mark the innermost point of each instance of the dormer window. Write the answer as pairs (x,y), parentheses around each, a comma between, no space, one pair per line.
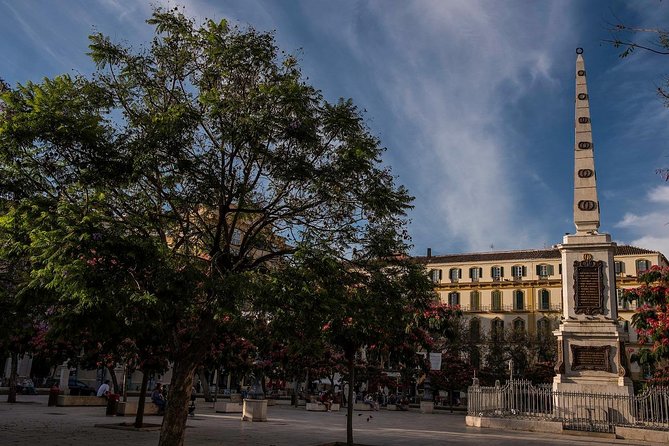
(455,274)
(619,268)
(497,272)
(475,273)
(518,271)
(544,270)
(642,266)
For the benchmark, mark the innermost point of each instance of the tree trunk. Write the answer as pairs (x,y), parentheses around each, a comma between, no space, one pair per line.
(349,406)
(113,379)
(11,397)
(139,418)
(174,424)
(296,393)
(202,373)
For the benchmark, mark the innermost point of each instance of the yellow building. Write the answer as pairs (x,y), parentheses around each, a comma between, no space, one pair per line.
(522,290)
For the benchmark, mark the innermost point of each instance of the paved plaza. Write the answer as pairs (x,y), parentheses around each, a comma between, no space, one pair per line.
(32,422)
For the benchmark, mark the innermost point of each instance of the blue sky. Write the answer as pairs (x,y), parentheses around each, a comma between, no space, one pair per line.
(473,99)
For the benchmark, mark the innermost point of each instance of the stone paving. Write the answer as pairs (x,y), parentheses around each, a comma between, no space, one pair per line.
(32,422)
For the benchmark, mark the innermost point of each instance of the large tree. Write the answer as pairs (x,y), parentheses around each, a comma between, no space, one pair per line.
(371,301)
(209,147)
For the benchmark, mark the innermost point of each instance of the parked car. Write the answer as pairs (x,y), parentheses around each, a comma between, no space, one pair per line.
(81,388)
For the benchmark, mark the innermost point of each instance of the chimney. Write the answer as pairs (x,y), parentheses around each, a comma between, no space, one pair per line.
(429,252)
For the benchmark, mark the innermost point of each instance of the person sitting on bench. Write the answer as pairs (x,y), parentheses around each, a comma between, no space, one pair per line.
(158,398)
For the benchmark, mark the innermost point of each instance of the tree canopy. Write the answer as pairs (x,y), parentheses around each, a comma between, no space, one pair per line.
(177,177)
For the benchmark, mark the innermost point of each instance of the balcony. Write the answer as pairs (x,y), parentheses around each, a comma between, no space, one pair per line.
(506,309)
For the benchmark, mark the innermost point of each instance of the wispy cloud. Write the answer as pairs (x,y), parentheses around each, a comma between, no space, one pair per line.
(456,67)
(650,230)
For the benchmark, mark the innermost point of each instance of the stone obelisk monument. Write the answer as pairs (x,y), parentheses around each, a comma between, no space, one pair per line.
(591,352)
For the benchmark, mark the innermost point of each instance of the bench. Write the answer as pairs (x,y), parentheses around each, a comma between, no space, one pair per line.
(72,400)
(320,407)
(226,407)
(129,408)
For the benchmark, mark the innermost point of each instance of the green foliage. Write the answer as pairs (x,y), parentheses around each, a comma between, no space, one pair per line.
(179,176)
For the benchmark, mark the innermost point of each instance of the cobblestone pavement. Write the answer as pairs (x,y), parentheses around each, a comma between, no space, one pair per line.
(32,422)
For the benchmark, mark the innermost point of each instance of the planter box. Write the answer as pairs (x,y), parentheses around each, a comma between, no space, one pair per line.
(129,408)
(320,407)
(283,402)
(254,410)
(426,406)
(226,407)
(69,400)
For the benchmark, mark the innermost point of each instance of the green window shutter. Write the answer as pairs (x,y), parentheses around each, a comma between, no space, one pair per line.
(524,271)
(459,273)
(492,271)
(501,271)
(439,274)
(480,272)
(470,272)
(550,270)
(538,270)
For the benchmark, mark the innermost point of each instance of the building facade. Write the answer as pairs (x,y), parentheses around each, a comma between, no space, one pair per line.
(522,290)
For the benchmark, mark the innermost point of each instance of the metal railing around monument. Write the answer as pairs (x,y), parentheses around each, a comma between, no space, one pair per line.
(594,412)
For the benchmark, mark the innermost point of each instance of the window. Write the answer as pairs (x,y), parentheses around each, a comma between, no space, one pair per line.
(435,275)
(454,298)
(642,266)
(518,271)
(475,330)
(475,273)
(236,237)
(622,303)
(497,329)
(454,274)
(475,301)
(544,300)
(497,272)
(619,268)
(543,328)
(518,300)
(544,270)
(496,300)
(519,325)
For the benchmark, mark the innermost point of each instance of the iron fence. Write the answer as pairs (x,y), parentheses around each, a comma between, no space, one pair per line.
(595,412)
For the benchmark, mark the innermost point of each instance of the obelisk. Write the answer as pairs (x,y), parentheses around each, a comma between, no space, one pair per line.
(591,356)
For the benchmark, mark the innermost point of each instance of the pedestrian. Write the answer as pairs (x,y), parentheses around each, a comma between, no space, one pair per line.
(159,399)
(103,390)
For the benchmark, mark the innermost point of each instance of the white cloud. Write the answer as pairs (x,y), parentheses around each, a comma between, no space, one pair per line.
(650,230)
(659,194)
(453,98)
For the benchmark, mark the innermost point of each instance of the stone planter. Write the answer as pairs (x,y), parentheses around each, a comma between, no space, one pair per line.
(254,410)
(426,406)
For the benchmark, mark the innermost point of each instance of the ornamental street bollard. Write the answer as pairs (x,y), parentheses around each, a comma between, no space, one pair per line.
(112,403)
(54,391)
